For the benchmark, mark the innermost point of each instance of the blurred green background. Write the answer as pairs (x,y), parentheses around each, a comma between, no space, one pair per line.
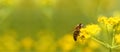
(47,25)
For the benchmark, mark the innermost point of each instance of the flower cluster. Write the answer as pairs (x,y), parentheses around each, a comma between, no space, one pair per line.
(106,25)
(88,31)
(109,21)
(112,24)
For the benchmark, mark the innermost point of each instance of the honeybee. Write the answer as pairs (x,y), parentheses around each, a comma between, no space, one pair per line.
(77,31)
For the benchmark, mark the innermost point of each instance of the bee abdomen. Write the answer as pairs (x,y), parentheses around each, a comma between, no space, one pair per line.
(76,34)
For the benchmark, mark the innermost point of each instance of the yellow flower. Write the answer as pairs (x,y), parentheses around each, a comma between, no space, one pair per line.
(93,44)
(117,38)
(66,43)
(9,43)
(102,19)
(83,36)
(117,29)
(83,32)
(82,39)
(113,20)
(45,42)
(93,29)
(109,21)
(27,43)
(87,49)
(87,32)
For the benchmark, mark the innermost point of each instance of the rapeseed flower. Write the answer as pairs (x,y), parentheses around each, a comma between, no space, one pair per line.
(9,43)
(113,20)
(108,26)
(45,42)
(27,43)
(109,21)
(87,32)
(102,19)
(117,38)
(66,43)
(93,44)
(87,49)
(93,29)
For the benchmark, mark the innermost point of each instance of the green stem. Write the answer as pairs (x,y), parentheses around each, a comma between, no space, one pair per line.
(110,50)
(110,38)
(116,46)
(102,43)
(113,41)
